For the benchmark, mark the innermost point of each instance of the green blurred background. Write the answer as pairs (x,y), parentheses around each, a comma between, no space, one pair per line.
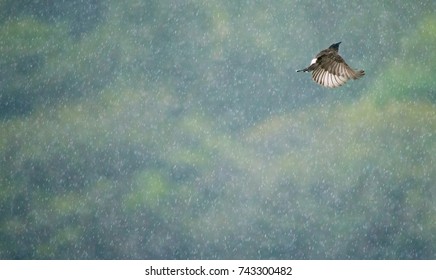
(178,129)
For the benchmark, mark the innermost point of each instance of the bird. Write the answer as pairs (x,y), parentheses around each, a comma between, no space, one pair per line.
(330,70)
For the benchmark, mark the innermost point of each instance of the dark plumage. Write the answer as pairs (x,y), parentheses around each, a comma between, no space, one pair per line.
(329,69)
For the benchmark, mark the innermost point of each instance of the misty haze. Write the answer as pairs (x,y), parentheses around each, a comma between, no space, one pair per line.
(168,129)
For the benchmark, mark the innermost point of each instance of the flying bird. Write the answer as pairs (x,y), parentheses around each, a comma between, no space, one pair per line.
(329,69)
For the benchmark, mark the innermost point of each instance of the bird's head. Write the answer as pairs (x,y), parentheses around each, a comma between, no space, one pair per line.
(335,46)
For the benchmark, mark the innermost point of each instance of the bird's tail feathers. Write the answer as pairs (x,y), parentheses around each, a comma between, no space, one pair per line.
(358,74)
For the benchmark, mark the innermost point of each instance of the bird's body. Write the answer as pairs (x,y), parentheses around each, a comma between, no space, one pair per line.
(329,69)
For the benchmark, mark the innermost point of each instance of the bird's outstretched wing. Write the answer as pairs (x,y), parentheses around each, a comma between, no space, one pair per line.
(332,71)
